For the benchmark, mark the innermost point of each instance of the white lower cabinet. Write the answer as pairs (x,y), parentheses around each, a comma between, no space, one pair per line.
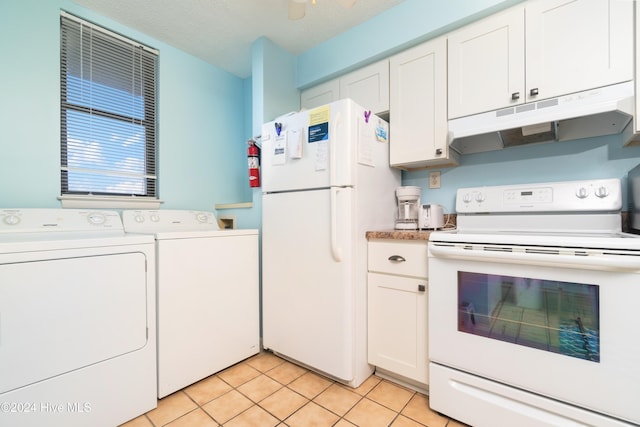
(397,311)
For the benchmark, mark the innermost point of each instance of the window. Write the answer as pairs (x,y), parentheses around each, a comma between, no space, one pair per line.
(107,112)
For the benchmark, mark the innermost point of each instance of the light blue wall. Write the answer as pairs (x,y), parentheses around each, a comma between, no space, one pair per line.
(202,145)
(602,157)
(206,115)
(273,92)
(202,142)
(406,24)
(274,82)
(29,103)
(417,20)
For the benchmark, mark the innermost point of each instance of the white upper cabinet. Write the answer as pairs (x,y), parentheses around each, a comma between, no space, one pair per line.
(632,132)
(636,118)
(367,86)
(577,45)
(544,49)
(418,106)
(486,64)
(321,94)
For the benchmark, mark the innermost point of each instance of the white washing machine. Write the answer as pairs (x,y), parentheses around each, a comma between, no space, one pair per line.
(207,290)
(77,319)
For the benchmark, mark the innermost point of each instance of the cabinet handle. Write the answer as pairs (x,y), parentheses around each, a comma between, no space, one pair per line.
(438,151)
(396,258)
(515,96)
(421,288)
(534,91)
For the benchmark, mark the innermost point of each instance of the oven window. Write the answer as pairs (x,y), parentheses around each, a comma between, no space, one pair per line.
(560,317)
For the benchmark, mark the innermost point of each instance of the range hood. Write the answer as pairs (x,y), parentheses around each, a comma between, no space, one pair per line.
(597,112)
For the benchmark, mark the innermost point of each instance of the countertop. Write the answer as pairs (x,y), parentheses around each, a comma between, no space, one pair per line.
(398,235)
(450,224)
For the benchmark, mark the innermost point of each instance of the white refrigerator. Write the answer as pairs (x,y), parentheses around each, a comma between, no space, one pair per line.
(326,180)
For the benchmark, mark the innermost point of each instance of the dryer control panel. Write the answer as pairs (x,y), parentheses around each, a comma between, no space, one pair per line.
(59,220)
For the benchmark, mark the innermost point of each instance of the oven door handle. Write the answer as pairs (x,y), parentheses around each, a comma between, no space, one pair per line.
(587,260)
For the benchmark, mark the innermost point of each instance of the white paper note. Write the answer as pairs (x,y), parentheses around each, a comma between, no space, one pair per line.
(366,139)
(295,140)
(322,154)
(280,150)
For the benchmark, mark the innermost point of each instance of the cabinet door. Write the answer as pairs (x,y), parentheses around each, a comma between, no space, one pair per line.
(418,105)
(636,117)
(577,45)
(368,86)
(321,94)
(397,311)
(486,64)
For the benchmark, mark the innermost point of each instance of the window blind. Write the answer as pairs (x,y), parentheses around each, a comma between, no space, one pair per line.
(108,112)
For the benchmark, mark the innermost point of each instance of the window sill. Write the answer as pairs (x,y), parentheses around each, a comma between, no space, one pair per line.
(109,202)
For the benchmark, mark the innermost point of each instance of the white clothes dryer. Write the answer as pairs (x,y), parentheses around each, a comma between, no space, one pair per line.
(208,293)
(77,319)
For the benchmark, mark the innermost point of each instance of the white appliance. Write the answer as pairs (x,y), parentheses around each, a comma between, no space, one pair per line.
(326,181)
(408,209)
(531,307)
(77,319)
(596,112)
(208,293)
(431,217)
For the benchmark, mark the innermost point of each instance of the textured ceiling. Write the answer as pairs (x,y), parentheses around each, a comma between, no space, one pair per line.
(221,31)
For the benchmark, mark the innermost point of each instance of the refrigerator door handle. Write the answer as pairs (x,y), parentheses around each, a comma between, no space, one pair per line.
(333,157)
(336,251)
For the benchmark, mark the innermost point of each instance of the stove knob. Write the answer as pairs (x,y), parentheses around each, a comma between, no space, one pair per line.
(139,218)
(602,192)
(202,217)
(466,198)
(154,217)
(582,193)
(479,197)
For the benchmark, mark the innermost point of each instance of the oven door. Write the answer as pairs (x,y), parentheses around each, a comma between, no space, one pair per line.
(556,323)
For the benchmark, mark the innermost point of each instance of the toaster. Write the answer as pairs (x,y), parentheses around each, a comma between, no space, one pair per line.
(431,217)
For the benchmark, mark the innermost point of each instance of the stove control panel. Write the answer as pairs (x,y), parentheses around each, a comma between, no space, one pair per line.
(600,195)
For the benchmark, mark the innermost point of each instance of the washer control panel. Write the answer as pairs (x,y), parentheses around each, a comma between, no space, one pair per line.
(150,221)
(600,195)
(61,220)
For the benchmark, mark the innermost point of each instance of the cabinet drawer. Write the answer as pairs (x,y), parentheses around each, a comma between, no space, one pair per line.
(398,257)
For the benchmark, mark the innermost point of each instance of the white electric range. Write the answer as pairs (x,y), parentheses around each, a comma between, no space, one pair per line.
(532,308)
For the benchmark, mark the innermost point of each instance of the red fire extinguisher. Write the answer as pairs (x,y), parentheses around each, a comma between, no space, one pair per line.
(253,157)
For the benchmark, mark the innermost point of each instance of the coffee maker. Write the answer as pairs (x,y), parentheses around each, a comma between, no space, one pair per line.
(407,212)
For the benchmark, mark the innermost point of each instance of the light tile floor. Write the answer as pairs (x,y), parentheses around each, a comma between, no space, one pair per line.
(267,391)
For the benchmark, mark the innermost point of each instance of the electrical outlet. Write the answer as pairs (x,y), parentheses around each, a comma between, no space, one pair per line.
(434,179)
